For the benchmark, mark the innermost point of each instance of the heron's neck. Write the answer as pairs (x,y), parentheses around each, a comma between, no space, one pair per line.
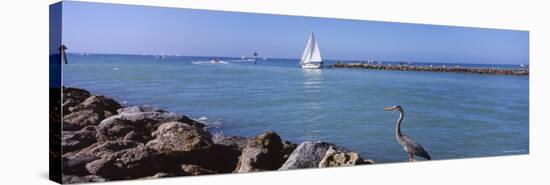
(398,127)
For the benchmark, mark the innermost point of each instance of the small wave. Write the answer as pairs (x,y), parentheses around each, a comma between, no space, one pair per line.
(209,62)
(213,126)
(115,69)
(218,136)
(202,118)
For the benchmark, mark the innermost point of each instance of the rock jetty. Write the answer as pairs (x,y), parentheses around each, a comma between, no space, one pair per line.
(456,69)
(102,140)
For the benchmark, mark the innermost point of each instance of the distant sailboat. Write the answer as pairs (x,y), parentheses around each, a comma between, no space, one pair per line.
(311,58)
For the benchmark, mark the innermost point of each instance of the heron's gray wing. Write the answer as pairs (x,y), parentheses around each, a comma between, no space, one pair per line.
(415,148)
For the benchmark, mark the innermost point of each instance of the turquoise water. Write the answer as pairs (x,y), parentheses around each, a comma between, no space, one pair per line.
(453,115)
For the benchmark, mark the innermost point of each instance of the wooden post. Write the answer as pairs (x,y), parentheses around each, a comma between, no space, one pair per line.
(255,57)
(63,56)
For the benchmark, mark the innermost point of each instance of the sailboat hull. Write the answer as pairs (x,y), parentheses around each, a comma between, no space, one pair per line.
(312,65)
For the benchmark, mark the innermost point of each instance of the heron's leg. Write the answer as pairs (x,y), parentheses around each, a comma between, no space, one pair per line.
(410,157)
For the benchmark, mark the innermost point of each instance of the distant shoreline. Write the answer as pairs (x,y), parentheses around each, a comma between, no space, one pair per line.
(297,59)
(442,68)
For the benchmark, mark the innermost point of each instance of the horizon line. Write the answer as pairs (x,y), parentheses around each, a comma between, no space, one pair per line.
(354,60)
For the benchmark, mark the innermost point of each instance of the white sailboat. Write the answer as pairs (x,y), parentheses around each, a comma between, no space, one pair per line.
(311,58)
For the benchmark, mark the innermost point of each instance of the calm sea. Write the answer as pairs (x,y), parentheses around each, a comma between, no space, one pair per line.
(453,115)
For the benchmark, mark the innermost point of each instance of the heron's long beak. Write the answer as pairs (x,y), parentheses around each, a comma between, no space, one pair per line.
(389,108)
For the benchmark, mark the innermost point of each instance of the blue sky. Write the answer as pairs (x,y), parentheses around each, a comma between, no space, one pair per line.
(124,29)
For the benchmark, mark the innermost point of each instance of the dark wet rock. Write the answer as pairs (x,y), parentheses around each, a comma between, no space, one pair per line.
(193,169)
(142,123)
(69,179)
(335,158)
(126,164)
(76,165)
(225,154)
(135,136)
(261,153)
(140,108)
(180,138)
(72,97)
(308,155)
(90,112)
(288,148)
(75,140)
(235,142)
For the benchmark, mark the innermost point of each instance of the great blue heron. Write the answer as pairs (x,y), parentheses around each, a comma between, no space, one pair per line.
(411,147)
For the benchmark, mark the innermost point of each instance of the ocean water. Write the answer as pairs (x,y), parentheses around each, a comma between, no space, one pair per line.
(453,115)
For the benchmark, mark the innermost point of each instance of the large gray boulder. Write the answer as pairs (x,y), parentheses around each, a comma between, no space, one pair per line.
(307,155)
(140,108)
(177,138)
(261,153)
(142,124)
(90,112)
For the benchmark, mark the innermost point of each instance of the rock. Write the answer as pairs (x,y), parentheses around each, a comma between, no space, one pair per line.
(307,155)
(179,138)
(101,103)
(160,175)
(134,136)
(225,155)
(288,148)
(75,162)
(195,169)
(261,153)
(72,97)
(369,161)
(79,119)
(107,148)
(126,164)
(102,149)
(90,112)
(77,165)
(142,123)
(70,179)
(140,108)
(334,158)
(235,142)
(75,140)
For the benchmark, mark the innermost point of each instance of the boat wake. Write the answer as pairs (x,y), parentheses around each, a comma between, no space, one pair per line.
(209,62)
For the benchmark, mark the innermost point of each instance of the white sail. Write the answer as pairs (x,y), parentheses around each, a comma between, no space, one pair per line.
(307,52)
(311,54)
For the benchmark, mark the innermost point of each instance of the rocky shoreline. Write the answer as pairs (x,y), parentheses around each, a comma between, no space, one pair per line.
(102,140)
(456,69)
